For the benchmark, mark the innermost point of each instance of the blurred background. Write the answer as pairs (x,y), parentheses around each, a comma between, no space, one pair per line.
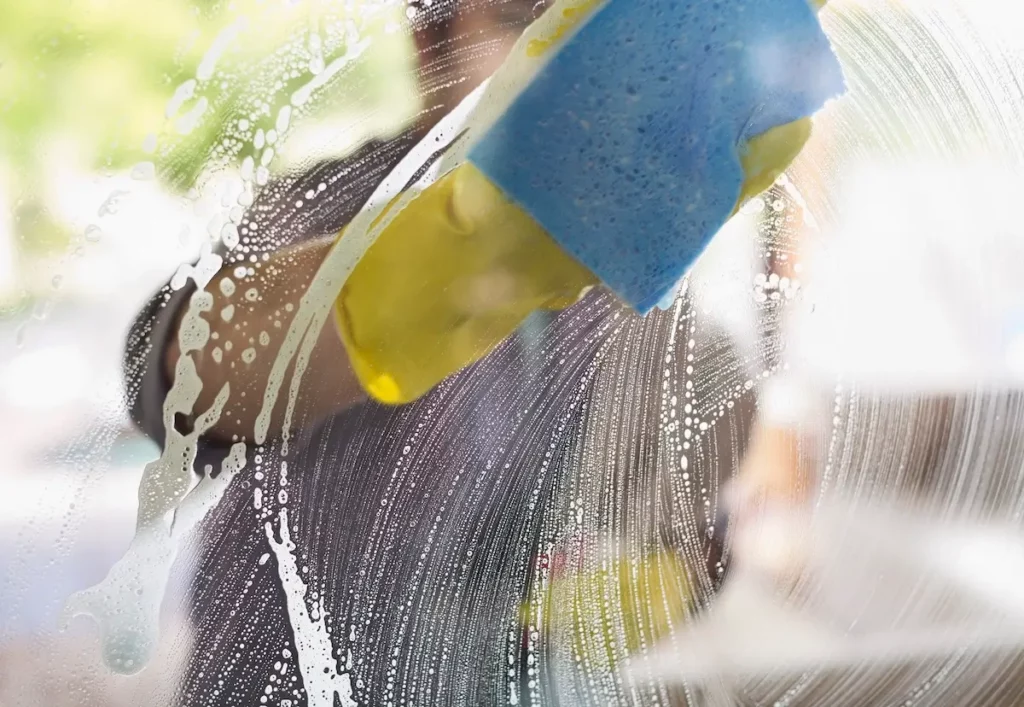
(125,128)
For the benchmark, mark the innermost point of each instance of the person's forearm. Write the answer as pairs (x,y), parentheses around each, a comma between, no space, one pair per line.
(782,459)
(248,322)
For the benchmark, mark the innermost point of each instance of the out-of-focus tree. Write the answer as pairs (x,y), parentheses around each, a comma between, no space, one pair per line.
(184,85)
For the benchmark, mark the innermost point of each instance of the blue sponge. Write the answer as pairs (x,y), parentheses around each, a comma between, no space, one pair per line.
(626,145)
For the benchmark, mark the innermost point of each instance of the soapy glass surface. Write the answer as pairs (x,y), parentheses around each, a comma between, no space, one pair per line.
(470,549)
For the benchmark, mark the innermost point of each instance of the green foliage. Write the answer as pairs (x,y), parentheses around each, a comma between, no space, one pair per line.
(95,76)
(93,72)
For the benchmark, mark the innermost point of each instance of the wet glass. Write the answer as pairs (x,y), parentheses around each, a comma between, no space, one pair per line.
(200,507)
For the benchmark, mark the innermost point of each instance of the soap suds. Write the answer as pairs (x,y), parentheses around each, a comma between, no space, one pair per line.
(317,664)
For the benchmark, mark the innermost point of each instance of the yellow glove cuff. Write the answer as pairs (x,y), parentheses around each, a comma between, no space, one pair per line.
(454,274)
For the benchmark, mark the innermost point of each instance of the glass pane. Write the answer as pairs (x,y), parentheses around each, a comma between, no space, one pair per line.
(201,506)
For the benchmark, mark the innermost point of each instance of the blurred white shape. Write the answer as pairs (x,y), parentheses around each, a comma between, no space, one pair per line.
(43,496)
(720,282)
(142,229)
(919,289)
(45,378)
(988,562)
(998,19)
(849,586)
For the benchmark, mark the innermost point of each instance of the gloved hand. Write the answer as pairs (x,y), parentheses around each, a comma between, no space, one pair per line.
(462,266)
(639,599)
(452,276)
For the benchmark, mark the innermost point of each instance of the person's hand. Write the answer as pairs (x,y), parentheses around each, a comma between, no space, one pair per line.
(453,275)
(769,154)
(461,266)
(773,472)
(769,501)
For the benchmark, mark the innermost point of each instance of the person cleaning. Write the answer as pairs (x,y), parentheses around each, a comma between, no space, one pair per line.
(649,125)
(645,131)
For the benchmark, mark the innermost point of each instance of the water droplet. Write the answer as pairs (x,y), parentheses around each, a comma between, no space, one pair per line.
(144,171)
(111,204)
(229,235)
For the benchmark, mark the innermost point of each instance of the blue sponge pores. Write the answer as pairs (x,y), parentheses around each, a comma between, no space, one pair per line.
(625,146)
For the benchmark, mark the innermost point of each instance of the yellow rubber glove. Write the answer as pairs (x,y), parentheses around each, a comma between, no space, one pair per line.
(639,600)
(452,276)
(769,154)
(461,267)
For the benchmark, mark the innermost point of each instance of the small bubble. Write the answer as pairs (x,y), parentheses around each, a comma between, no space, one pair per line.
(229,236)
(41,310)
(144,171)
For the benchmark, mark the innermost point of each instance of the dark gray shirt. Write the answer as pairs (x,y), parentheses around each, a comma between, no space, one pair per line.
(418,524)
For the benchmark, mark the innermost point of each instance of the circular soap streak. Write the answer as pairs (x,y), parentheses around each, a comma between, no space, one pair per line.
(928,81)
